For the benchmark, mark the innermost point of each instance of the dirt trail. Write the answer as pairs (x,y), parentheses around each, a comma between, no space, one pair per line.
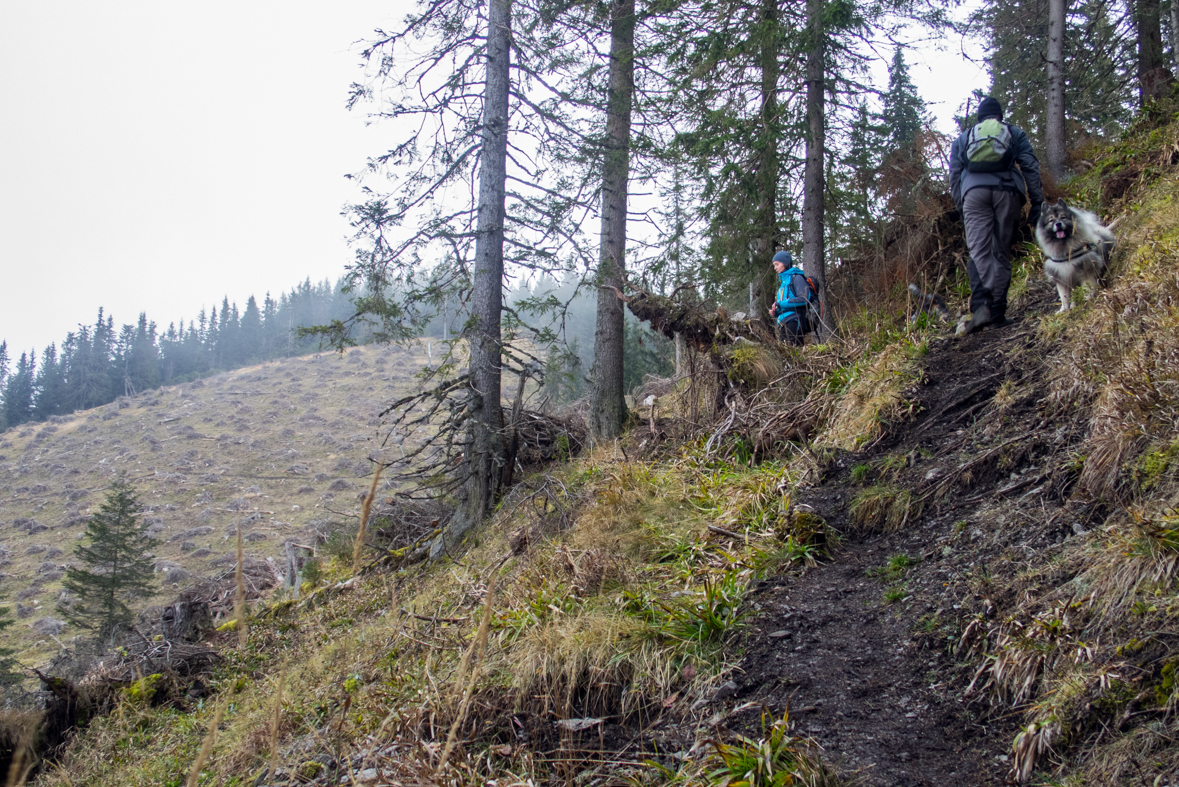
(857,680)
(874,682)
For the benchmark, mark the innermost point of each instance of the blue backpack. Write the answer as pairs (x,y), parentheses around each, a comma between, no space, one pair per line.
(812,293)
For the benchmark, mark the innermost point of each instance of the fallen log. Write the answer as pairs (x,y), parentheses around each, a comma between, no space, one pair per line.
(706,330)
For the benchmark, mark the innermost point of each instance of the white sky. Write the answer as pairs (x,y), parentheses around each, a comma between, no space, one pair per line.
(158,155)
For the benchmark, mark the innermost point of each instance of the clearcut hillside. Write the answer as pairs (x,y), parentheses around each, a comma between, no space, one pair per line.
(281,449)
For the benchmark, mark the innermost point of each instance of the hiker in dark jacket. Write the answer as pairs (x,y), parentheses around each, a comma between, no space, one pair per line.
(790,304)
(991,204)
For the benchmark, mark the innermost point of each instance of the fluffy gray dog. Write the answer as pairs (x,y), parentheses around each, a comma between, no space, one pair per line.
(1076,248)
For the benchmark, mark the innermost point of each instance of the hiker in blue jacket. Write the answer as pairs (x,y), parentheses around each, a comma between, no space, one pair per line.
(790,304)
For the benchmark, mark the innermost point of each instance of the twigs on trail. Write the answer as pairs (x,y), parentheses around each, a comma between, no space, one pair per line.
(549,504)
(939,489)
(978,387)
(764,423)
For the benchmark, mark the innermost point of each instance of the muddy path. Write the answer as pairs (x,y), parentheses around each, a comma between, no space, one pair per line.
(861,649)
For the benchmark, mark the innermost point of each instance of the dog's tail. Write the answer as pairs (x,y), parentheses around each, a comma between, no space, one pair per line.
(929,302)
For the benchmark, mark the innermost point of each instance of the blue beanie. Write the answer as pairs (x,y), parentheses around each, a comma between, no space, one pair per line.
(785,258)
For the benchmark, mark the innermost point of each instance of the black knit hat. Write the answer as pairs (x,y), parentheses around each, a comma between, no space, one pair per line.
(990,108)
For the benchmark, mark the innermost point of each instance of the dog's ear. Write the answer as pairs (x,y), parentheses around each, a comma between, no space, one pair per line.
(1060,203)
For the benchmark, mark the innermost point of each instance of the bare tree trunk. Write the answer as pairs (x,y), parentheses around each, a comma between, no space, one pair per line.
(1153,76)
(1054,136)
(607,402)
(764,279)
(1175,35)
(485,451)
(813,207)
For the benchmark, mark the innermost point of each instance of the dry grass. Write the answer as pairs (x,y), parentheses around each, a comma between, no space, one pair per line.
(754,366)
(239,596)
(1080,656)
(365,509)
(1146,755)
(616,603)
(874,399)
(276,725)
(1087,654)
(595,664)
(206,747)
(590,619)
(1121,365)
(884,507)
(471,662)
(18,733)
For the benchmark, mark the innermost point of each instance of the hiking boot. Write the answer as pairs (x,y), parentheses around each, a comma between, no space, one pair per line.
(980,318)
(1002,322)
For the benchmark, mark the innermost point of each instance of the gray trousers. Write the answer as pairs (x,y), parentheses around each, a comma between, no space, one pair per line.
(990,215)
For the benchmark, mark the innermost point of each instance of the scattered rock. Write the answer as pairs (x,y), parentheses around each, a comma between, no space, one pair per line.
(725,690)
(48,626)
(195,532)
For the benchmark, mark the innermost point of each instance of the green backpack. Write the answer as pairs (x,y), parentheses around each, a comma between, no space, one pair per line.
(989,147)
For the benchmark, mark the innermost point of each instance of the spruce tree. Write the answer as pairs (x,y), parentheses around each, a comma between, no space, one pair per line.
(50,386)
(114,567)
(3,379)
(904,111)
(18,391)
(905,174)
(1099,63)
(856,192)
(607,400)
(251,349)
(143,363)
(9,667)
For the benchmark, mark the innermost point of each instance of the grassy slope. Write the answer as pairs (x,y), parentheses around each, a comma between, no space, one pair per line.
(612,591)
(608,595)
(1090,649)
(278,447)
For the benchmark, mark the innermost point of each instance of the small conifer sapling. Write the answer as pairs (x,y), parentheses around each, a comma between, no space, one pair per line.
(114,565)
(10,673)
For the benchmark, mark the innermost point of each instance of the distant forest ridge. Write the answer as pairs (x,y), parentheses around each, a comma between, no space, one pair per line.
(98,363)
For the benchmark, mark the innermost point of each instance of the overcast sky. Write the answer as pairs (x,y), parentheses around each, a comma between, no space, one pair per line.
(158,155)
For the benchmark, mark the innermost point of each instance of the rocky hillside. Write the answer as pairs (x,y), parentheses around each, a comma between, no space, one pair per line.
(281,450)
